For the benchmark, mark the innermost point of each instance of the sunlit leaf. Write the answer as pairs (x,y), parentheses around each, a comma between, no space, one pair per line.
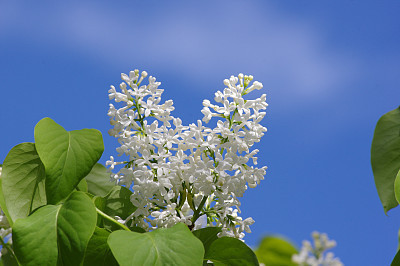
(230,251)
(166,246)
(68,156)
(275,251)
(23,178)
(55,234)
(98,181)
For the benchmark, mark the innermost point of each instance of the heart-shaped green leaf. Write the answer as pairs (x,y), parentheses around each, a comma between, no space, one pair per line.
(55,234)
(230,251)
(68,156)
(207,235)
(98,181)
(275,251)
(98,252)
(385,157)
(37,230)
(165,246)
(23,178)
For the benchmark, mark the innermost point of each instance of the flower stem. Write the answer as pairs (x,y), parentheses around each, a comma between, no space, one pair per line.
(196,214)
(7,246)
(112,220)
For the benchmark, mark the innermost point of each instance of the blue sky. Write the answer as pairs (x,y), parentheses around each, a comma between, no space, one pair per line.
(329,69)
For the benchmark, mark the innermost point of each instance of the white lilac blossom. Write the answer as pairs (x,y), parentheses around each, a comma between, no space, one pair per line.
(179,173)
(315,256)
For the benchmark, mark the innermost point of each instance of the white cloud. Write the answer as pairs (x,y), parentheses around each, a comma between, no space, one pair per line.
(256,38)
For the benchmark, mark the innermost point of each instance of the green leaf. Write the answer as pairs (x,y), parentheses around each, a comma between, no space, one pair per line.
(23,181)
(37,230)
(275,251)
(117,203)
(82,186)
(98,252)
(165,246)
(385,157)
(396,259)
(68,156)
(98,181)
(55,234)
(137,229)
(397,187)
(207,236)
(230,251)
(99,203)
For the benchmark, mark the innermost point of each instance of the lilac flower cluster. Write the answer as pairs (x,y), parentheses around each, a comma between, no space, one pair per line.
(188,173)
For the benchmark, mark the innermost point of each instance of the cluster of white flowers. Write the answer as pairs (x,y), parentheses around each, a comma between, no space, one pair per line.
(315,256)
(181,173)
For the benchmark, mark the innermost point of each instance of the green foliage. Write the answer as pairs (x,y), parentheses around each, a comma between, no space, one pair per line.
(207,236)
(397,187)
(385,161)
(98,252)
(396,260)
(82,186)
(64,210)
(173,246)
(3,203)
(230,251)
(7,259)
(23,181)
(115,203)
(98,181)
(275,251)
(385,157)
(56,234)
(68,156)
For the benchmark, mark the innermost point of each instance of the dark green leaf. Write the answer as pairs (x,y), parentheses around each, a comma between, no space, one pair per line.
(98,252)
(118,203)
(396,259)
(55,233)
(137,229)
(23,179)
(230,251)
(98,181)
(172,246)
(207,236)
(67,156)
(275,251)
(385,157)
(7,258)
